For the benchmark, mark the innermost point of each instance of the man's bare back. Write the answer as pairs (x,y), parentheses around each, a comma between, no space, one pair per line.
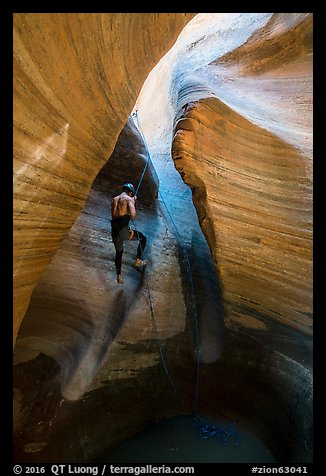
(123,204)
(123,208)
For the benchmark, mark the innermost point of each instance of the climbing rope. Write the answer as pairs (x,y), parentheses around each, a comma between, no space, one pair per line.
(184,248)
(135,114)
(186,254)
(158,340)
(206,430)
(145,279)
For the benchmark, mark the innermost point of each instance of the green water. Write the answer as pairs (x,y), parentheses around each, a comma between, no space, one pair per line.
(177,440)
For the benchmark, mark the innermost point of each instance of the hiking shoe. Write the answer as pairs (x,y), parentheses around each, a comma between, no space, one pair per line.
(119,279)
(138,263)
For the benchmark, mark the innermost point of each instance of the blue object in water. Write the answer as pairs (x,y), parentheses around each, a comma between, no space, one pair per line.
(177,440)
(208,430)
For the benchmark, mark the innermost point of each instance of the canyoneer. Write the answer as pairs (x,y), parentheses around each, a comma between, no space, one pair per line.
(123,210)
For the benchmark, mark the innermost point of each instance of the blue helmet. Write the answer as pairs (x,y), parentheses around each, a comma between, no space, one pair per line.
(128,187)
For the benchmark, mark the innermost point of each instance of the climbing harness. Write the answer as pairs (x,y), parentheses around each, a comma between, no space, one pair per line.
(206,430)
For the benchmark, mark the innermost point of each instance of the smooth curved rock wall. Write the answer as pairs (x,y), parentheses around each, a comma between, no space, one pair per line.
(240,118)
(87,340)
(253,194)
(243,144)
(76,79)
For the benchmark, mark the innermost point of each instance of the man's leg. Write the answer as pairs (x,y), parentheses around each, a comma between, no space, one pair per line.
(142,243)
(118,259)
(138,235)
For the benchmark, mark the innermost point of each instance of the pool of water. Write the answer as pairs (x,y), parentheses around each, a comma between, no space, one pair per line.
(185,439)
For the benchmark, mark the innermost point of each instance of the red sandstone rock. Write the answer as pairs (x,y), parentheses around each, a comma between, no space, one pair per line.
(76,78)
(240,161)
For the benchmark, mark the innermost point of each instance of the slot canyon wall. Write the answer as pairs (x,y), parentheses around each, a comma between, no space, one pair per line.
(240,123)
(239,129)
(76,79)
(254,192)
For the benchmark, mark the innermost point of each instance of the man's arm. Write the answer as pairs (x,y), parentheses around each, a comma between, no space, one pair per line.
(113,207)
(132,208)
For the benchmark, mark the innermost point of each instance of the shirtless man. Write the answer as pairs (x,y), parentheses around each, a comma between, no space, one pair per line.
(123,209)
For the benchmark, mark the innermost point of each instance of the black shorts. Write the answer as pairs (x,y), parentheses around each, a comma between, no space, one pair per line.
(121,231)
